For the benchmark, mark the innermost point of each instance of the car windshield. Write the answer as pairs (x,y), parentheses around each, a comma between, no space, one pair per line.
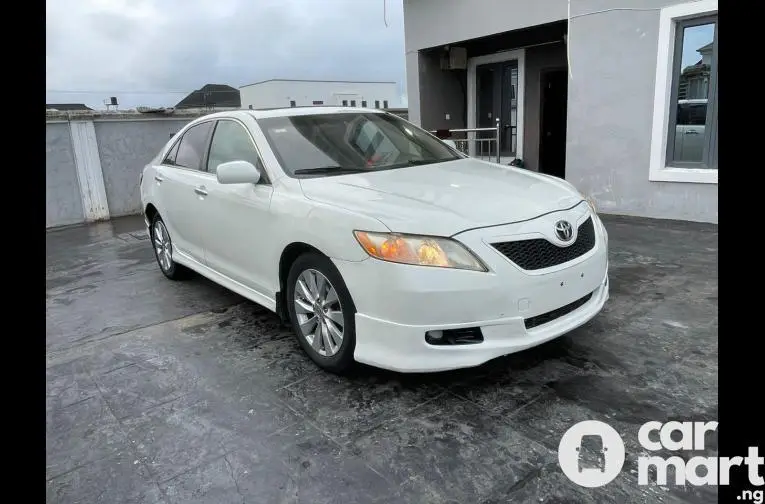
(320,145)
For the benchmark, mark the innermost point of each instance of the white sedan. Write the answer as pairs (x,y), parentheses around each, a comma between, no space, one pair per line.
(377,242)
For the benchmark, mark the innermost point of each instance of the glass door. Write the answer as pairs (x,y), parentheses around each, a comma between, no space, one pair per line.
(497,97)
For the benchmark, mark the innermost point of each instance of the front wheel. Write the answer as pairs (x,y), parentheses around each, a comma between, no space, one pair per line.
(322,312)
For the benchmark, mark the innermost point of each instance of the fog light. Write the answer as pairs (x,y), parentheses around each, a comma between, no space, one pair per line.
(434,337)
(461,336)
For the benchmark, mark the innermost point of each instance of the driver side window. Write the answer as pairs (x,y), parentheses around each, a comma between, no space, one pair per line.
(231,142)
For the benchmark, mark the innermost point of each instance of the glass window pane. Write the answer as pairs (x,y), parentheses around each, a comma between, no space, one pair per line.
(692,91)
(350,141)
(170,158)
(193,145)
(230,142)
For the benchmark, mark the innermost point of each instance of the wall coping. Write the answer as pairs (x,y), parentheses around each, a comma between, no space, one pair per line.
(53,116)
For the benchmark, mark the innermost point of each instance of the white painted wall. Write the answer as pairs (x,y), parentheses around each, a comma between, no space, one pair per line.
(430,23)
(278,93)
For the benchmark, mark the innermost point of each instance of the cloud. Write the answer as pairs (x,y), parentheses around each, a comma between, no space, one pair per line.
(154,52)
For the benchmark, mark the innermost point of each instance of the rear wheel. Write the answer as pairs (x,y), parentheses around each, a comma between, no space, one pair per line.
(163,251)
(322,312)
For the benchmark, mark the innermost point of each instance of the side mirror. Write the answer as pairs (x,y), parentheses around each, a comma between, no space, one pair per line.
(237,172)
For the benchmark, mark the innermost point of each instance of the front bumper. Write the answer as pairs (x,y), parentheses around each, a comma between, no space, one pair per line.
(398,304)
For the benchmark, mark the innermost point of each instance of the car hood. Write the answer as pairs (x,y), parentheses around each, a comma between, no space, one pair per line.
(444,198)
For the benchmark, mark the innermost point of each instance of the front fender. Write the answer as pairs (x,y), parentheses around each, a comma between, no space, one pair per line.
(330,229)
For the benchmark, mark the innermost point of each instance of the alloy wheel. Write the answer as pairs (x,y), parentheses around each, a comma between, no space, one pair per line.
(319,312)
(163,246)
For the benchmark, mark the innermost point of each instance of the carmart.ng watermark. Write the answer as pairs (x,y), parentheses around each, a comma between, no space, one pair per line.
(591,454)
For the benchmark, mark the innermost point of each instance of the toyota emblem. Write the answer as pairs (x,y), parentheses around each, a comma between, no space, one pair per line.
(563,230)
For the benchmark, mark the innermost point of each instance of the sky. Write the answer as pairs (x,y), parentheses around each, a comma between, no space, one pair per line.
(154,52)
(695,38)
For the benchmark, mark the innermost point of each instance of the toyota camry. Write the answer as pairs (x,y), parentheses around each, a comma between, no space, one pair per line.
(374,240)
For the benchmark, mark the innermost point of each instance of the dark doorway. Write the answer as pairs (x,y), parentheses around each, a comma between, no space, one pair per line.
(552,138)
(497,97)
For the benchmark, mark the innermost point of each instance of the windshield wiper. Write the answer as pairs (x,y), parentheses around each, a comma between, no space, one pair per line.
(413,162)
(328,169)
(416,162)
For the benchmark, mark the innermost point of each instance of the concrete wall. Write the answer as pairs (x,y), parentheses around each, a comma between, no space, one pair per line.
(610,113)
(62,189)
(93,175)
(441,92)
(279,93)
(538,60)
(124,148)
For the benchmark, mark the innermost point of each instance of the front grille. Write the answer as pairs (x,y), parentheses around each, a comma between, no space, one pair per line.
(544,318)
(539,253)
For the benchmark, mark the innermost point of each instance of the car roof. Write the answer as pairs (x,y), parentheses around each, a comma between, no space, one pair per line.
(312,110)
(292,111)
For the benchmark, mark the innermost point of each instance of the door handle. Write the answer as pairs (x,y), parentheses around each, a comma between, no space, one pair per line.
(691,132)
(158,178)
(200,190)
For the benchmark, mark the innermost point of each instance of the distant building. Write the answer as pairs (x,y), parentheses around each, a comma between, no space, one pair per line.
(694,79)
(212,96)
(66,107)
(298,93)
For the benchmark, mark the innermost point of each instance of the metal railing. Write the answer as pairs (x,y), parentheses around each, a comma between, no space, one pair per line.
(482,143)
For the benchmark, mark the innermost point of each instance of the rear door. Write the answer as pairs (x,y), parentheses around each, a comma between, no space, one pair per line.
(182,184)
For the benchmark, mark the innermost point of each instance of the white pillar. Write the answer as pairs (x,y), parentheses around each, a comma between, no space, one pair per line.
(413,86)
(89,173)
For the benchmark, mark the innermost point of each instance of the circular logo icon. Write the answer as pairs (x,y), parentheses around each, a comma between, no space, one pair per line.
(591,453)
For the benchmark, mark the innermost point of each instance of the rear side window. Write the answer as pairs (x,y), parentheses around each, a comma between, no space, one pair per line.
(170,158)
(191,149)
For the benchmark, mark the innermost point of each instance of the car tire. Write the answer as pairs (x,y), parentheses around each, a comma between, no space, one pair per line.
(339,358)
(163,251)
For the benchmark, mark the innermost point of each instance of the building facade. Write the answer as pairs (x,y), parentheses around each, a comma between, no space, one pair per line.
(620,100)
(299,93)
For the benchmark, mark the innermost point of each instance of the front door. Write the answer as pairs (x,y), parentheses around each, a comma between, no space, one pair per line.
(497,98)
(237,220)
(552,140)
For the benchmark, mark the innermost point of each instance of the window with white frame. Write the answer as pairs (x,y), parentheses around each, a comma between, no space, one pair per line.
(684,144)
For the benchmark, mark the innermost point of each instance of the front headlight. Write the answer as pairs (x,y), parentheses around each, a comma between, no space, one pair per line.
(418,250)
